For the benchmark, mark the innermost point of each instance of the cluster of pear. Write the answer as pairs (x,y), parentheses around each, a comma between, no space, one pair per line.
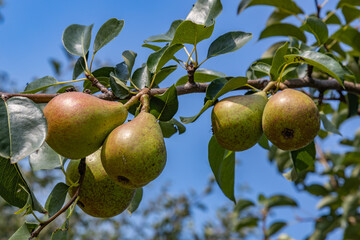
(120,157)
(289,119)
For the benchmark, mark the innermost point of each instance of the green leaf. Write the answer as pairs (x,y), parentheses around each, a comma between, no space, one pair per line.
(288,6)
(165,37)
(320,61)
(59,234)
(242,204)
(261,67)
(13,187)
(264,143)
(56,198)
(353,104)
(350,13)
(327,201)
(23,128)
(152,47)
(142,77)
(121,71)
(158,59)
(304,158)
(164,73)
(76,39)
(249,222)
(136,201)
(228,86)
(103,72)
(222,163)
(278,61)
(350,2)
(24,232)
(333,19)
(276,16)
(318,28)
(191,33)
(283,29)
(317,190)
(171,127)
(79,67)
(45,158)
(274,228)
(279,200)
(329,126)
(229,42)
(40,84)
(348,35)
(107,32)
(204,12)
(118,87)
(129,58)
(165,106)
(201,76)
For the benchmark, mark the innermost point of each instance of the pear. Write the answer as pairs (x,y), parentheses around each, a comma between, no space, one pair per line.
(99,196)
(134,153)
(78,123)
(236,121)
(290,120)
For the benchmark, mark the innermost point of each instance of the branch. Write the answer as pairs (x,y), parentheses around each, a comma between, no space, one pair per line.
(330,84)
(82,168)
(95,82)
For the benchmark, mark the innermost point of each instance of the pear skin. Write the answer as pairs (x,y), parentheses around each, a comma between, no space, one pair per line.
(291,120)
(99,196)
(236,121)
(78,123)
(134,153)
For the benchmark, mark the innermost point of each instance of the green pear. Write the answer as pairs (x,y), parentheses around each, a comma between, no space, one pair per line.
(78,123)
(291,120)
(99,196)
(236,121)
(134,153)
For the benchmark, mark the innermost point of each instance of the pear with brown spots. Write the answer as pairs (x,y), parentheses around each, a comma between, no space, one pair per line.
(78,123)
(134,153)
(290,120)
(236,121)
(99,196)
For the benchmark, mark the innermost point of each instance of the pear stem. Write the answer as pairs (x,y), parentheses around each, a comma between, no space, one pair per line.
(145,101)
(269,86)
(42,225)
(135,99)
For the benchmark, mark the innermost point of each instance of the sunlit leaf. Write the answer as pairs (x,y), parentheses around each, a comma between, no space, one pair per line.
(283,29)
(204,12)
(229,42)
(107,32)
(76,39)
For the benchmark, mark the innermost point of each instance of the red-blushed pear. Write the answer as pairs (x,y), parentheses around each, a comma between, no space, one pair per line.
(290,120)
(134,153)
(236,121)
(78,123)
(99,196)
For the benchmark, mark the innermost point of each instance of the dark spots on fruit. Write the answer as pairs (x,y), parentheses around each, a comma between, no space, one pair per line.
(81,204)
(287,133)
(123,179)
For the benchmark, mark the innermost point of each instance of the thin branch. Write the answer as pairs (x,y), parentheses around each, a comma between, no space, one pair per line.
(96,83)
(324,162)
(330,84)
(82,168)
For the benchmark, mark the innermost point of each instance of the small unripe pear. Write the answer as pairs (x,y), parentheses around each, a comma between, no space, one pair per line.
(134,153)
(78,123)
(99,196)
(290,120)
(236,121)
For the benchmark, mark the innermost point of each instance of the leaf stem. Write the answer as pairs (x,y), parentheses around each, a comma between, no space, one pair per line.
(190,58)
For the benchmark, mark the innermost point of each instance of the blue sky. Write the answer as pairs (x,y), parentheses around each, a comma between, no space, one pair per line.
(31,35)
